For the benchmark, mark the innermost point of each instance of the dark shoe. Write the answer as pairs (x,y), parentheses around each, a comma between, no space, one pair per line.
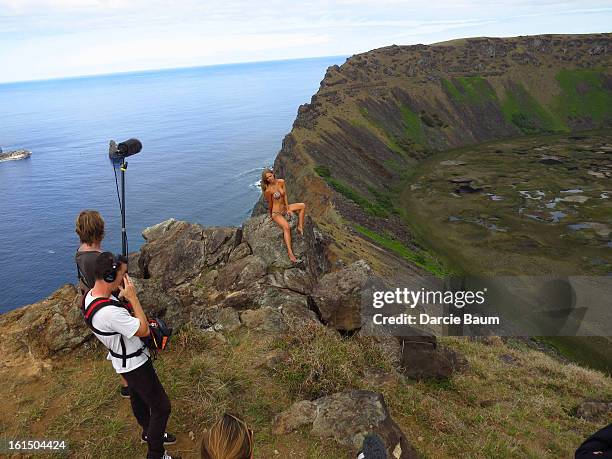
(169,439)
(125,392)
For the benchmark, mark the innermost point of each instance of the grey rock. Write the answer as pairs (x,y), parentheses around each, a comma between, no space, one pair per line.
(184,250)
(134,266)
(265,319)
(347,417)
(422,358)
(299,313)
(338,295)
(241,273)
(156,231)
(242,250)
(595,410)
(227,319)
(265,238)
(156,302)
(299,414)
(50,327)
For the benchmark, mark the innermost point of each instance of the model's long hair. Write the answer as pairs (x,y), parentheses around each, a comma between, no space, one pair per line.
(90,227)
(228,438)
(264,183)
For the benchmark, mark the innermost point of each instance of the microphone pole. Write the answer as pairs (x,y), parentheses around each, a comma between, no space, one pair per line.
(124,249)
(117,154)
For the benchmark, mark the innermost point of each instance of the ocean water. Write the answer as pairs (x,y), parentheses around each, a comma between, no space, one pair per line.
(206,132)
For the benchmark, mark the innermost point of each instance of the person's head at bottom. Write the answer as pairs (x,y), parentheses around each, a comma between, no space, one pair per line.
(228,438)
(373,448)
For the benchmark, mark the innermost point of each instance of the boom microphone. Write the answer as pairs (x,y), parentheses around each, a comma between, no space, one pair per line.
(124,149)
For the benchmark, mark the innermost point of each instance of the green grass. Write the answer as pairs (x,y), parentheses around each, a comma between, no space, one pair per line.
(382,206)
(451,89)
(530,414)
(323,171)
(321,363)
(413,126)
(522,110)
(422,259)
(469,89)
(371,208)
(390,140)
(591,351)
(384,200)
(583,95)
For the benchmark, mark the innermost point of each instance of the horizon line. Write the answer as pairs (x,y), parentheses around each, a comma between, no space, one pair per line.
(160,69)
(151,70)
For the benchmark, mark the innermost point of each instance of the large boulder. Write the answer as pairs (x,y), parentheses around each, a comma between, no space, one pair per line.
(178,251)
(157,302)
(338,296)
(241,273)
(347,417)
(265,238)
(423,358)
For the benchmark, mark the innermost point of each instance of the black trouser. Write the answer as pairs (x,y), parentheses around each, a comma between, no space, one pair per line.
(150,405)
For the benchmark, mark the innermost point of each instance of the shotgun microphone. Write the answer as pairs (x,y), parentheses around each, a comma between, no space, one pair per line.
(117,152)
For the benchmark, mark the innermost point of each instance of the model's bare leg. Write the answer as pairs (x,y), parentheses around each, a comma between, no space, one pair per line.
(280,221)
(300,208)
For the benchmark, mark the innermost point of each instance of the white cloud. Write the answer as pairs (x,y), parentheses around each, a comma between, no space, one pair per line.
(52,38)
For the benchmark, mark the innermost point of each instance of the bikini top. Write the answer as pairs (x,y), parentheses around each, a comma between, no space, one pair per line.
(276,195)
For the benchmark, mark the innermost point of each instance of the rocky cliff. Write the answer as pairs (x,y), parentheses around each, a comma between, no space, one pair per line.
(384,111)
(280,343)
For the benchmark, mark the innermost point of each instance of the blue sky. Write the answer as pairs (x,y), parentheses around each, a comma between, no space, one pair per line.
(56,38)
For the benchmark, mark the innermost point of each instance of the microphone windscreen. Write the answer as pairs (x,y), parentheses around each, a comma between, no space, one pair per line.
(129,147)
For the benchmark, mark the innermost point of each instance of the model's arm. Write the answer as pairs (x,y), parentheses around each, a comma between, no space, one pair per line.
(128,291)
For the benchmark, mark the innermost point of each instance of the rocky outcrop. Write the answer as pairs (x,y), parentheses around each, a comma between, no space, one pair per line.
(347,417)
(178,251)
(217,278)
(204,270)
(222,279)
(338,296)
(32,335)
(45,329)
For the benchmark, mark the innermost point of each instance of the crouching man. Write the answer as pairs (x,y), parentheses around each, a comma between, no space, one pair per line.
(119,327)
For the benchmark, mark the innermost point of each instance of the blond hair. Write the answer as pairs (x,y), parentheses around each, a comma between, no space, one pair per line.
(264,182)
(90,227)
(228,438)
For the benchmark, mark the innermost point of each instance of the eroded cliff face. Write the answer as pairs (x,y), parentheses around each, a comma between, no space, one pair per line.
(382,112)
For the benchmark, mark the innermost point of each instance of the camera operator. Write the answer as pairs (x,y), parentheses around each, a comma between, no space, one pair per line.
(120,332)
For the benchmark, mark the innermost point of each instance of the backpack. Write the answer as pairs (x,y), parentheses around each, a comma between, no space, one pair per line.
(90,311)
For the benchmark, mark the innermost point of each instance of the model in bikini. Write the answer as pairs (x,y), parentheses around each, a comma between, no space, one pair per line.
(279,208)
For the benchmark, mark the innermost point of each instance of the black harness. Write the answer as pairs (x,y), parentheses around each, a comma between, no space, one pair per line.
(90,311)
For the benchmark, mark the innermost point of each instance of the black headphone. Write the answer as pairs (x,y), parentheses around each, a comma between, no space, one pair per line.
(111,274)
